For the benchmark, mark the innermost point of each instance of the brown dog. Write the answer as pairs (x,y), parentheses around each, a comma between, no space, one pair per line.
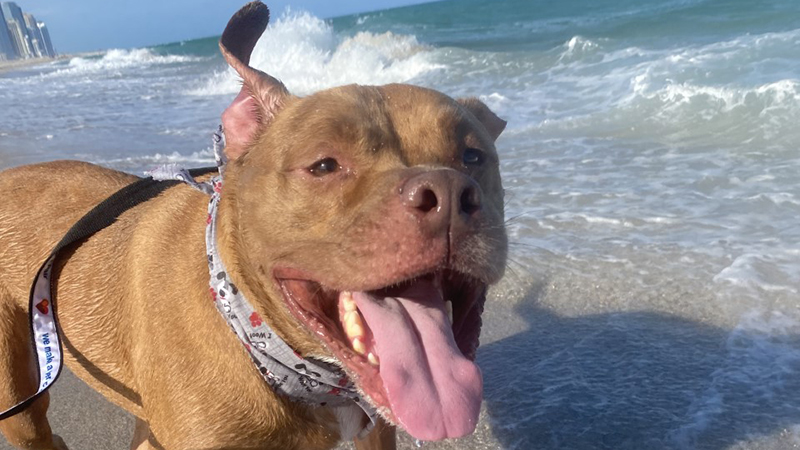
(389,197)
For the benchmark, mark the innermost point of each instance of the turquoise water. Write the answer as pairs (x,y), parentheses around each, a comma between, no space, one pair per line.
(651,162)
(510,25)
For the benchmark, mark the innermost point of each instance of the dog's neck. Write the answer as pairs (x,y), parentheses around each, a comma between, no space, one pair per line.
(306,380)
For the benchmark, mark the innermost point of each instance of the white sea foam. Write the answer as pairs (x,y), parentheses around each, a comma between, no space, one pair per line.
(661,220)
(495,101)
(760,356)
(778,198)
(361,20)
(581,218)
(761,98)
(138,163)
(577,47)
(115,60)
(306,54)
(680,95)
(775,272)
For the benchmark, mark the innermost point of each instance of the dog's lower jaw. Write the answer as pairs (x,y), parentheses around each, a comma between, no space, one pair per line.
(366,330)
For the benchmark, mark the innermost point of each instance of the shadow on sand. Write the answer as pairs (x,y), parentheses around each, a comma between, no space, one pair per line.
(638,381)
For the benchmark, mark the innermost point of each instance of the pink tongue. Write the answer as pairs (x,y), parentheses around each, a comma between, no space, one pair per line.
(435,392)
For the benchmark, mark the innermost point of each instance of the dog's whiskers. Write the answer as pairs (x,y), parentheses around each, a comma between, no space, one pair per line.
(518,216)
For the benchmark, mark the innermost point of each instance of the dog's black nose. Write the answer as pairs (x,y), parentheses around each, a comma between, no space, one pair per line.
(444,199)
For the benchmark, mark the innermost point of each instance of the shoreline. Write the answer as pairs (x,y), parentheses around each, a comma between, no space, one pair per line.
(17,64)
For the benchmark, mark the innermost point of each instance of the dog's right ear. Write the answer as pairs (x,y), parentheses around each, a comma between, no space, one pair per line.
(493,124)
(262,96)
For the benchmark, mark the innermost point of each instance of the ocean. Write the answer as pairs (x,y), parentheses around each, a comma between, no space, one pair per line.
(652,169)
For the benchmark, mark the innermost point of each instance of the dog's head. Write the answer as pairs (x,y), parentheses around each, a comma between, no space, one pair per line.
(373,217)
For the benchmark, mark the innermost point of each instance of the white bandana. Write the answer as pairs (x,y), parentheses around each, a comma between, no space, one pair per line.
(311,381)
(306,380)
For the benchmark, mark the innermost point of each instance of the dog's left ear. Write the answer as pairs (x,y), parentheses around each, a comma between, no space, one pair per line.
(493,124)
(262,96)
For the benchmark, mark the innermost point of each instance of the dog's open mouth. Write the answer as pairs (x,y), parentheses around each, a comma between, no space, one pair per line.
(410,347)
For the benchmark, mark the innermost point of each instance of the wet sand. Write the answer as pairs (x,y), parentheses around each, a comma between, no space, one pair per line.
(6,66)
(563,370)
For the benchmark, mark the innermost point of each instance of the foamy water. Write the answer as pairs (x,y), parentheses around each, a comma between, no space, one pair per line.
(307,54)
(651,164)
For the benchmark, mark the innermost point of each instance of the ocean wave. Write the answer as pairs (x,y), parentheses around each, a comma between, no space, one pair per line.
(573,219)
(772,272)
(115,60)
(307,55)
(742,92)
(737,51)
(138,164)
(708,101)
(578,48)
(780,199)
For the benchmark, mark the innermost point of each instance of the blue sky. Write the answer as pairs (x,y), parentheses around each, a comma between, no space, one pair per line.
(87,25)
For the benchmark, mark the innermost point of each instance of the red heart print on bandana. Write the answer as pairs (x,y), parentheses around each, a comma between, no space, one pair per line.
(42,306)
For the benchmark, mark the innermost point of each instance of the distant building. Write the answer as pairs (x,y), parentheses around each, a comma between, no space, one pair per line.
(36,36)
(15,31)
(7,49)
(48,44)
(21,35)
(13,13)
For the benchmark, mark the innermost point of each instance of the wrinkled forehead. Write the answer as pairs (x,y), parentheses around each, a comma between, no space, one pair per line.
(420,124)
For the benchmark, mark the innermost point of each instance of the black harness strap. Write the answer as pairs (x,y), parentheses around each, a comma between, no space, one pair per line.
(95,220)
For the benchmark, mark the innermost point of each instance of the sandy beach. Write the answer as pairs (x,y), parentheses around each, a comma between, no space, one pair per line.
(16,64)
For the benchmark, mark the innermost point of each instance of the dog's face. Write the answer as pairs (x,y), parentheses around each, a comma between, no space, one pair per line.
(373,217)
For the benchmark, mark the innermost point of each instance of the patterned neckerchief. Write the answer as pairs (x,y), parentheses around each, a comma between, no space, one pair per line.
(306,380)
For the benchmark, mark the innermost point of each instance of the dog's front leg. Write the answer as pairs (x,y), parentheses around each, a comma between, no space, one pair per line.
(140,436)
(382,437)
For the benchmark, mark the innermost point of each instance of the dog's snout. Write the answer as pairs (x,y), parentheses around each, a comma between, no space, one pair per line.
(442,198)
(470,201)
(424,198)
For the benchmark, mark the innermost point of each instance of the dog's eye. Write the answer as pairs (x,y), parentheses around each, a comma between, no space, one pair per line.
(324,167)
(473,157)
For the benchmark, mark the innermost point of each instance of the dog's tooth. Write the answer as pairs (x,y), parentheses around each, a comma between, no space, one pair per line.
(351,317)
(359,346)
(353,325)
(449,307)
(373,359)
(348,302)
(355,330)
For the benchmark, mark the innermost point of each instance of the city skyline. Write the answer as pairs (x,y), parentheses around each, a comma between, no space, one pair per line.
(22,36)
